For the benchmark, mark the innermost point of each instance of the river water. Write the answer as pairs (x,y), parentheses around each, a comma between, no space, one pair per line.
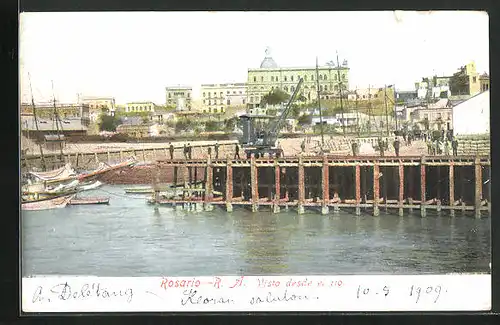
(129,238)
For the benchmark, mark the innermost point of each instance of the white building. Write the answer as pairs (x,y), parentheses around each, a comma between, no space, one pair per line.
(216,98)
(140,107)
(472,117)
(330,120)
(180,97)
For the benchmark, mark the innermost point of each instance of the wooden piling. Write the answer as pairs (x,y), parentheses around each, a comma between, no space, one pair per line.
(229,186)
(357,172)
(422,187)
(277,185)
(302,186)
(326,186)
(376,189)
(254,183)
(478,175)
(401,187)
(209,185)
(410,188)
(451,188)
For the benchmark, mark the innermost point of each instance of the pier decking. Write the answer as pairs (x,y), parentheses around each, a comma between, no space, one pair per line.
(450,184)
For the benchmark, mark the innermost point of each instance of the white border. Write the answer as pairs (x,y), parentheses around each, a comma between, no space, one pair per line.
(455,292)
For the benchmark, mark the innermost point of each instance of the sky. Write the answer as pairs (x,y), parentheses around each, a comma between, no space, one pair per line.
(133,56)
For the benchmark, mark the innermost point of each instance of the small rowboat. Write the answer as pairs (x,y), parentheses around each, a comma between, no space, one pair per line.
(47,204)
(89,200)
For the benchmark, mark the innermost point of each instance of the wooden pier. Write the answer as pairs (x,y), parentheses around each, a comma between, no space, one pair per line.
(395,184)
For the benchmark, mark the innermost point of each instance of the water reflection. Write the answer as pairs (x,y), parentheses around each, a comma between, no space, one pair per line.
(130,238)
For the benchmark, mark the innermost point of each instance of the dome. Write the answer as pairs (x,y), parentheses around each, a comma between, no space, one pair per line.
(268,62)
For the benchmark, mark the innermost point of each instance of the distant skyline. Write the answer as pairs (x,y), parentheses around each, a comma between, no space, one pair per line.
(133,56)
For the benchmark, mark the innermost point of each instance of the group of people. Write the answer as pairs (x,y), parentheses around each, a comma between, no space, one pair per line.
(439,147)
(188,151)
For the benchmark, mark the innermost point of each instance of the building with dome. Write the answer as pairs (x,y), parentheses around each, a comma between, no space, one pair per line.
(270,76)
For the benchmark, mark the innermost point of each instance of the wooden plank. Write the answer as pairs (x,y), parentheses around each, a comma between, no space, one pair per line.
(451,177)
(376,190)
(478,193)
(422,188)
(401,187)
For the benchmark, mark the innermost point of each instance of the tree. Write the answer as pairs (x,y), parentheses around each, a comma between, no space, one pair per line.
(459,83)
(275,97)
(304,119)
(211,126)
(108,123)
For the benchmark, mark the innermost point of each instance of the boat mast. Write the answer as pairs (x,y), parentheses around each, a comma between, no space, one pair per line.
(340,91)
(44,166)
(319,106)
(58,121)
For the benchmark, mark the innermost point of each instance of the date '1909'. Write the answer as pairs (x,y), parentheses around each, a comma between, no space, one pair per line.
(414,291)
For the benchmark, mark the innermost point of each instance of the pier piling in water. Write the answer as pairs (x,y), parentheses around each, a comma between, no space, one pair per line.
(323,182)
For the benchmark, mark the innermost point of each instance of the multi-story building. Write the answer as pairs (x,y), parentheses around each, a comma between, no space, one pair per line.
(140,107)
(217,97)
(484,82)
(46,111)
(269,77)
(99,105)
(180,97)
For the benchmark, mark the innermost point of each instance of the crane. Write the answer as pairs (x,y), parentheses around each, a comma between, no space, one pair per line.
(262,142)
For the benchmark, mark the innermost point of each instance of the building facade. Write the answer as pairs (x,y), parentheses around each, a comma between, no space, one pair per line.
(269,77)
(216,98)
(140,107)
(180,97)
(484,82)
(65,111)
(99,105)
(472,117)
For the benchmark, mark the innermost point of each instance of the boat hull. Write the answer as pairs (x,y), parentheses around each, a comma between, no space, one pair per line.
(47,204)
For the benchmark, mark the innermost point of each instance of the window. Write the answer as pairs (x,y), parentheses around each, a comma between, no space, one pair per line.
(169,95)
(204,101)
(439,115)
(272,78)
(209,102)
(285,88)
(209,95)
(227,92)
(474,79)
(210,110)
(254,79)
(276,78)
(312,78)
(234,92)
(221,94)
(229,102)
(320,77)
(222,109)
(215,110)
(324,77)
(241,92)
(335,77)
(291,78)
(203,94)
(243,101)
(262,78)
(285,78)
(305,78)
(215,94)
(188,95)
(343,77)
(292,89)
(251,99)
(375,95)
(337,88)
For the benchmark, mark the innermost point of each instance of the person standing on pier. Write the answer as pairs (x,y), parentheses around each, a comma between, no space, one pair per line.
(210,152)
(429,148)
(216,147)
(446,148)
(396,146)
(185,151)
(381,146)
(237,152)
(303,146)
(354,146)
(454,145)
(171,149)
(190,151)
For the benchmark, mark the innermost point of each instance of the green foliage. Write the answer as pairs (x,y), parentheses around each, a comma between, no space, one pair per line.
(459,83)
(275,97)
(304,120)
(211,126)
(184,124)
(229,124)
(108,123)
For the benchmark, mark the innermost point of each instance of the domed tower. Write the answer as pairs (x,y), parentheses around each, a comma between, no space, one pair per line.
(268,62)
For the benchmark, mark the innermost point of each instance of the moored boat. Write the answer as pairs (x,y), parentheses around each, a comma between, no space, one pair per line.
(47,204)
(89,200)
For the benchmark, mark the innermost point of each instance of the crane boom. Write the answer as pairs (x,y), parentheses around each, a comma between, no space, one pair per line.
(276,126)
